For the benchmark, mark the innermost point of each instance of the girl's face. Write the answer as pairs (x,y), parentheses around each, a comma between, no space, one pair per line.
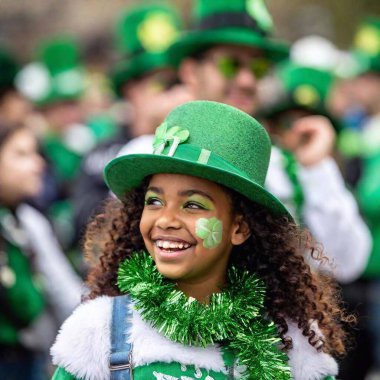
(189,229)
(21,168)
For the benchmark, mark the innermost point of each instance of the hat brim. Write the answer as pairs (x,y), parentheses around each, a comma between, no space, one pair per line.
(195,41)
(136,67)
(127,172)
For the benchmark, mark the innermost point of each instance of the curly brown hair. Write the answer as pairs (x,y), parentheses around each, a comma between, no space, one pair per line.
(275,251)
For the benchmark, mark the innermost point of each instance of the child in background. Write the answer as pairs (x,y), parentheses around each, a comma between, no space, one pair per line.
(198,270)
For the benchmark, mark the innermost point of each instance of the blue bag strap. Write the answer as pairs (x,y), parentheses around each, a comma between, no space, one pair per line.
(121,351)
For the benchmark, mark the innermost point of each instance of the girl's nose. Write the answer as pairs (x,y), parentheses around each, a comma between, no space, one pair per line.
(168,219)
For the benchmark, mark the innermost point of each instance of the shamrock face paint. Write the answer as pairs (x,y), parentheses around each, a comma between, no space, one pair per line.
(210,231)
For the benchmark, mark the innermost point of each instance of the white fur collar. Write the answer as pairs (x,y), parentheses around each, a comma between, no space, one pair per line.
(305,361)
(83,347)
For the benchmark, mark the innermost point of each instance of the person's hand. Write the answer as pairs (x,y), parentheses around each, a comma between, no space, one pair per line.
(317,138)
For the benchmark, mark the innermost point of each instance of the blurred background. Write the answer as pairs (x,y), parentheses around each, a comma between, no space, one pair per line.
(23,24)
(67,108)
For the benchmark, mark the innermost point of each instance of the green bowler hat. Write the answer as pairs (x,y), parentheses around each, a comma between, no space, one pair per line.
(236,22)
(142,36)
(366,45)
(208,140)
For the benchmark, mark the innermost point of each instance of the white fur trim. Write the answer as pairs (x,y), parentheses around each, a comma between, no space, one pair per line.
(305,361)
(83,347)
(150,346)
(83,344)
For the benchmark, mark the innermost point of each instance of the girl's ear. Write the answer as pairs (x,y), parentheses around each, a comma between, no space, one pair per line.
(241,231)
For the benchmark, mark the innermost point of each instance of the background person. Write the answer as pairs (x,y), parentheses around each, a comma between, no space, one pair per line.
(38,287)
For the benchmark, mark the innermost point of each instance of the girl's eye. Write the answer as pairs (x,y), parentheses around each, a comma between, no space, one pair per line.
(194,206)
(153,202)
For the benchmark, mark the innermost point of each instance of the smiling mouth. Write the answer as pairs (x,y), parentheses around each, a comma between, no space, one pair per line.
(172,246)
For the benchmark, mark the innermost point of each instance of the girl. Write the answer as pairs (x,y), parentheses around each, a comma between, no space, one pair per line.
(38,288)
(199,271)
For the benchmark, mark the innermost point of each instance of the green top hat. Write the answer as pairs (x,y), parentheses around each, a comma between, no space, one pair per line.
(8,69)
(237,22)
(142,38)
(300,87)
(208,140)
(366,45)
(57,75)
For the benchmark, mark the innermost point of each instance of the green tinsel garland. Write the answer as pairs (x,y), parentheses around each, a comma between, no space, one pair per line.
(234,315)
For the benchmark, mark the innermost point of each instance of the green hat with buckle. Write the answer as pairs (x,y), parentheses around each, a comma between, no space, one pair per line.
(366,45)
(56,76)
(237,22)
(208,140)
(142,36)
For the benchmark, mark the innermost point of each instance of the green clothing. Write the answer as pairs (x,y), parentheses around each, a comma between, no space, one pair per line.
(61,374)
(170,371)
(368,193)
(175,371)
(21,297)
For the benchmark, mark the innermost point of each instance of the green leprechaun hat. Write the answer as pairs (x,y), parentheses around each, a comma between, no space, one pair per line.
(208,140)
(366,45)
(237,22)
(8,70)
(56,76)
(299,87)
(143,35)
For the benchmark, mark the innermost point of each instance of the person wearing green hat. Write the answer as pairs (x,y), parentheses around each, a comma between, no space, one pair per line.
(299,93)
(364,294)
(223,58)
(145,79)
(13,106)
(201,272)
(55,82)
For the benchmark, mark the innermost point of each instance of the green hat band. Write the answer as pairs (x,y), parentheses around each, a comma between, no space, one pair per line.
(195,155)
(230,20)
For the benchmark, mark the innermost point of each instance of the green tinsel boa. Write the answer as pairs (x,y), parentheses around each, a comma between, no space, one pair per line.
(234,316)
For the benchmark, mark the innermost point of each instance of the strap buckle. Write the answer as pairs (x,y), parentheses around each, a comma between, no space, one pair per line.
(126,366)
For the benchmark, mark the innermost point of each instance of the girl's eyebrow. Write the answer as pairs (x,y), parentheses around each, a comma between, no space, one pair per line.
(154,189)
(190,192)
(184,193)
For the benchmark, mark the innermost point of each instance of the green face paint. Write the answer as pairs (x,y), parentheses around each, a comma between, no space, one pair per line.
(151,197)
(201,201)
(210,231)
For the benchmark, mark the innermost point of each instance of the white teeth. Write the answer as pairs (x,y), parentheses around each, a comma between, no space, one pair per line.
(165,244)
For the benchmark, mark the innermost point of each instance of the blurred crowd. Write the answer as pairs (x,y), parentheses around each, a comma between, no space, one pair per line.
(62,120)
